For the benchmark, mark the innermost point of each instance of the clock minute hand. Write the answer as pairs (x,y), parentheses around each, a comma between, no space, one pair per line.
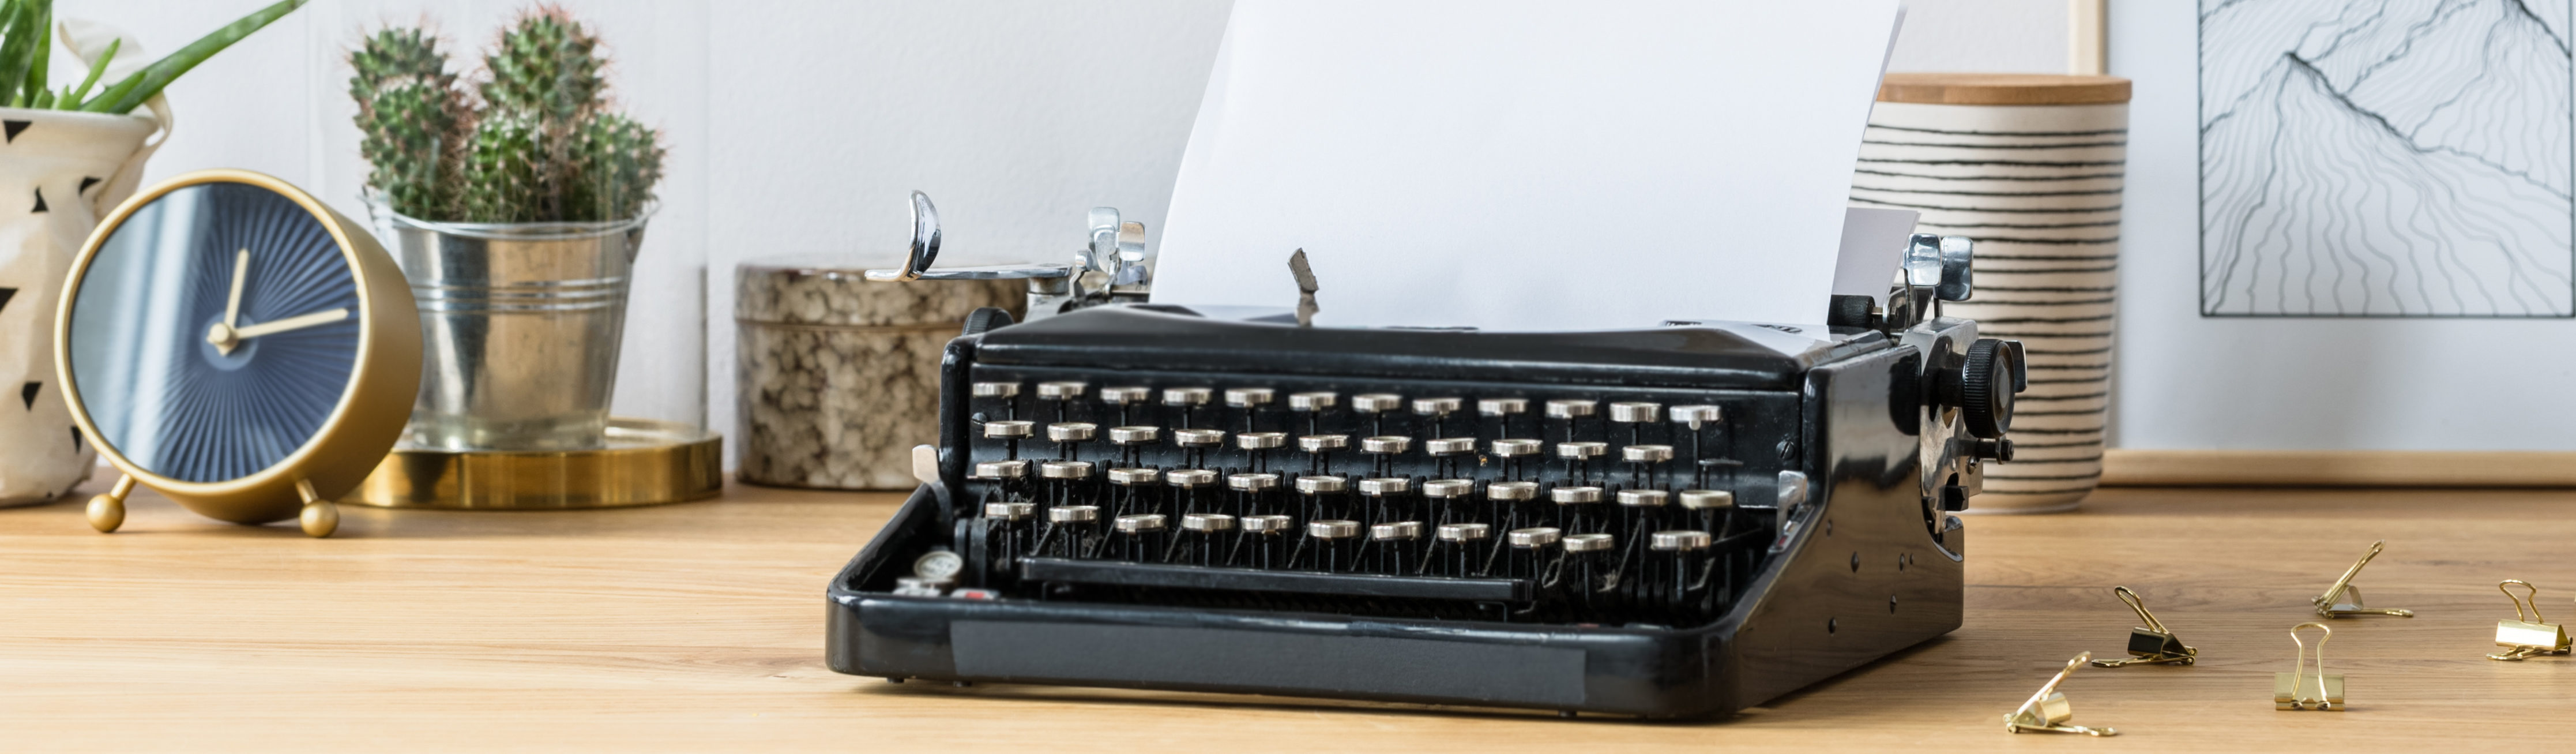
(241,270)
(297,322)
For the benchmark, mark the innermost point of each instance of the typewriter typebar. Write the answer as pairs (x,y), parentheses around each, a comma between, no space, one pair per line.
(1668,522)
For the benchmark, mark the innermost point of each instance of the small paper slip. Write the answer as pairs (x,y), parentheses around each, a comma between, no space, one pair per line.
(1527,166)
(1873,249)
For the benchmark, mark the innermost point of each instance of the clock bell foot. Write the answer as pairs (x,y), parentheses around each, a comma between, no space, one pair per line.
(320,517)
(107,512)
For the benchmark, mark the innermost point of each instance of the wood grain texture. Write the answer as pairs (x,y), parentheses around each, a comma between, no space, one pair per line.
(2002,89)
(2338,468)
(697,627)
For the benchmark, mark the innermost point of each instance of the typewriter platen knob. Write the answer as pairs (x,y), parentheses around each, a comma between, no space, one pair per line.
(1985,387)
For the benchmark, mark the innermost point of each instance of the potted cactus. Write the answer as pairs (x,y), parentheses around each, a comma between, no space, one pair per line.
(72,147)
(515,201)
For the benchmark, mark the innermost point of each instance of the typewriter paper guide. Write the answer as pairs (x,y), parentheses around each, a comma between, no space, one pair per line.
(1527,166)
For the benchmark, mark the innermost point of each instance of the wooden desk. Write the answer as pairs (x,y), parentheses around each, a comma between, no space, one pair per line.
(698,627)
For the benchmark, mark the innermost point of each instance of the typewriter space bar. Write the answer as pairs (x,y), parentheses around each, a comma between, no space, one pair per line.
(1115,573)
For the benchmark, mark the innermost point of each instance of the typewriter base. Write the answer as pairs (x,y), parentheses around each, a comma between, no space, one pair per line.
(1847,614)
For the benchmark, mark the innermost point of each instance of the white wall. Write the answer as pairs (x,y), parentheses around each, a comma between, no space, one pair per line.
(799,126)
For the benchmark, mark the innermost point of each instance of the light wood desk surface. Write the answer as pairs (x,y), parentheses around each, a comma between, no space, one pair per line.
(698,627)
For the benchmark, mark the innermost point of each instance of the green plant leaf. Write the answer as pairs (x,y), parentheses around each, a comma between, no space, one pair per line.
(18,50)
(130,93)
(72,97)
(41,57)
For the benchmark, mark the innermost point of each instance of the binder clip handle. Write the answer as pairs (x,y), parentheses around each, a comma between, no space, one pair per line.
(2135,604)
(2048,710)
(2531,596)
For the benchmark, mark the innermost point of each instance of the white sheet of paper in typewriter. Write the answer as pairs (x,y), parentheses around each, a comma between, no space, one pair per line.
(1527,165)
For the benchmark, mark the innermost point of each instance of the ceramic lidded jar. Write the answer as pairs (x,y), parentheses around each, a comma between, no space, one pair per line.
(838,377)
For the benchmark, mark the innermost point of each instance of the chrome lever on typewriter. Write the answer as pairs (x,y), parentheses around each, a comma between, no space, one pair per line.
(1936,268)
(1115,266)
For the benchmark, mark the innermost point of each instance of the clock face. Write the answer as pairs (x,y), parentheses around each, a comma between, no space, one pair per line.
(213,332)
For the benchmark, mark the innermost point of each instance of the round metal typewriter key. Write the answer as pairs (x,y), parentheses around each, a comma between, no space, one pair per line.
(1448,446)
(1141,540)
(1396,530)
(1264,544)
(1186,396)
(1700,500)
(1189,478)
(1248,397)
(1571,409)
(1680,539)
(1252,482)
(1062,390)
(1010,511)
(1534,537)
(1386,444)
(1577,507)
(1332,529)
(1581,451)
(1199,438)
(1644,498)
(1646,453)
(1311,401)
(1588,542)
(1072,431)
(1265,524)
(1469,532)
(1437,406)
(1384,486)
(997,389)
(1501,406)
(1322,485)
(1323,443)
(1009,429)
(1697,415)
(1073,514)
(1574,495)
(1002,469)
(1135,435)
(1370,403)
(1261,440)
(1333,538)
(1134,477)
(1631,412)
(1512,491)
(1201,532)
(1441,489)
(1207,522)
(1527,546)
(1122,396)
(1143,522)
(1065,470)
(1516,448)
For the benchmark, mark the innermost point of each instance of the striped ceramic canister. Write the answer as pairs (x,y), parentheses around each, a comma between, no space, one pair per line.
(2031,167)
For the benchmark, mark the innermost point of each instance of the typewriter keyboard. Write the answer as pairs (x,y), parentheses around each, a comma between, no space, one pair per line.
(1531,503)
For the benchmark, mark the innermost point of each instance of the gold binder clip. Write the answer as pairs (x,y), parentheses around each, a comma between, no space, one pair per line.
(2151,644)
(2526,638)
(2048,710)
(2344,599)
(2298,689)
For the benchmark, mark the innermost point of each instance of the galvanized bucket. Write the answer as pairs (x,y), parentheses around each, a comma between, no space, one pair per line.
(521,324)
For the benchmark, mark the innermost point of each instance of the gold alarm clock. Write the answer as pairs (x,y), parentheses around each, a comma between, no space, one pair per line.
(237,346)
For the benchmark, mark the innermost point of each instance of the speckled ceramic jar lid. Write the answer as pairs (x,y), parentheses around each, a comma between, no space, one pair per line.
(835,292)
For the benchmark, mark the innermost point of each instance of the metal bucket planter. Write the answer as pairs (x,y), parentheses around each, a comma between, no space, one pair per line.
(521,328)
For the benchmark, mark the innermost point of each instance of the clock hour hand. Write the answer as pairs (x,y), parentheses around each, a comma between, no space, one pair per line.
(297,322)
(241,272)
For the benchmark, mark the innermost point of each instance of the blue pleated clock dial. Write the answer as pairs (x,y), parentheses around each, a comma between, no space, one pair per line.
(214,332)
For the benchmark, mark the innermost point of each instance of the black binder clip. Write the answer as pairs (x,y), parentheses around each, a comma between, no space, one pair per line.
(2151,644)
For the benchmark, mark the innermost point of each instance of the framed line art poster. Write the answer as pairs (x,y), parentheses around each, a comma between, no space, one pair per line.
(2348,226)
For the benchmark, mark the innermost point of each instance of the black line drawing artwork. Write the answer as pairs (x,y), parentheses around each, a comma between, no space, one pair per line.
(2386,158)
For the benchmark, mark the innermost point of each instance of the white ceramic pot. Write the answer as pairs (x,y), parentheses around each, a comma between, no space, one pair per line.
(59,171)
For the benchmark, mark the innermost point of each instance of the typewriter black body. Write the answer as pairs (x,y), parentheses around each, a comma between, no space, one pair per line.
(1670,522)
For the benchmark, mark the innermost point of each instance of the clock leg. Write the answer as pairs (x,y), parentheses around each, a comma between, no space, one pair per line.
(106,512)
(320,517)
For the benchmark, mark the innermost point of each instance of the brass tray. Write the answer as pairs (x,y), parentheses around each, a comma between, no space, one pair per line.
(644,463)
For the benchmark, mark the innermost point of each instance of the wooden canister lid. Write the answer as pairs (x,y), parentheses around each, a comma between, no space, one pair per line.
(2002,89)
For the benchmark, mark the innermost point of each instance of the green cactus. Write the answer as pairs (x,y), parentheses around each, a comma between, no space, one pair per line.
(543,148)
(411,116)
(548,67)
(506,176)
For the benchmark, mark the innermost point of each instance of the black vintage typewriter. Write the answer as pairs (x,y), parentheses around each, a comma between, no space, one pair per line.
(1676,521)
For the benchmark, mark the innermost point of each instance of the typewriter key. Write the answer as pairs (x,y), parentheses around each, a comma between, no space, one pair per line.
(1013,469)
(1458,549)
(1187,400)
(1125,398)
(1438,409)
(1376,405)
(1382,451)
(1333,544)
(1009,511)
(1684,539)
(1394,543)
(1140,537)
(1186,484)
(997,389)
(1588,542)
(1635,414)
(1514,454)
(1502,409)
(1642,511)
(1446,454)
(1130,498)
(1447,498)
(1571,411)
(1319,450)
(1010,523)
(1259,444)
(1589,566)
(1577,508)
(1252,492)
(1010,433)
(1264,542)
(1578,458)
(1384,494)
(1250,399)
(1069,531)
(1323,496)
(1313,405)
(1205,539)
(1195,444)
(1068,435)
(1060,393)
(1065,470)
(1528,557)
(1644,461)
(1678,579)
(1716,509)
